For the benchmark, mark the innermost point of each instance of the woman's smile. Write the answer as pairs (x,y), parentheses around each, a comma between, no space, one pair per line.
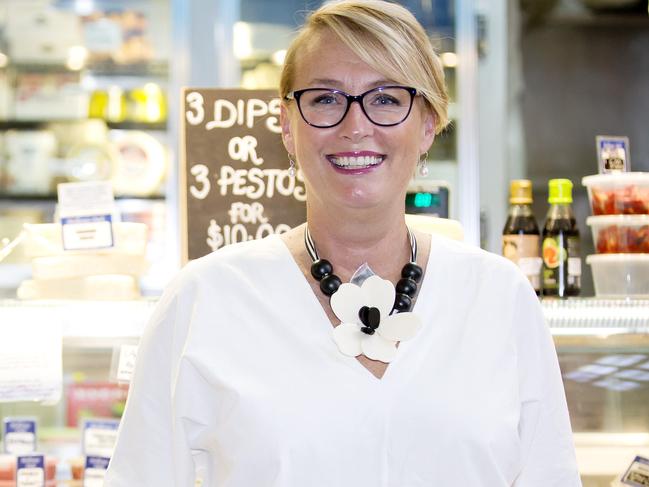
(355,162)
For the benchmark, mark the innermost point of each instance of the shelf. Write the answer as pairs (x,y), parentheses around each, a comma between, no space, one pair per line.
(101,323)
(36,124)
(53,197)
(592,316)
(157,69)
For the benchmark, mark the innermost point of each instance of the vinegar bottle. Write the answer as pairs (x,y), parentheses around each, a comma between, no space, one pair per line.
(521,236)
(560,249)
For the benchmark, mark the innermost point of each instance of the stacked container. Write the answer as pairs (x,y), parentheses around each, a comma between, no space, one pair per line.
(620,226)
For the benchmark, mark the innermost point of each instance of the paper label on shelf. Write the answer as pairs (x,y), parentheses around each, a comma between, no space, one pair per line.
(95,471)
(613,154)
(87,232)
(19,436)
(126,364)
(30,471)
(637,475)
(99,437)
(30,359)
(85,211)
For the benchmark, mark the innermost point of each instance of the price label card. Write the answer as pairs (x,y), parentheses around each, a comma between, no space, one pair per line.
(30,471)
(87,232)
(85,211)
(126,363)
(613,154)
(99,437)
(637,475)
(95,471)
(19,435)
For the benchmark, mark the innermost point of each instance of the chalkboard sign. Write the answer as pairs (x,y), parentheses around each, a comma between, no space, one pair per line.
(235,184)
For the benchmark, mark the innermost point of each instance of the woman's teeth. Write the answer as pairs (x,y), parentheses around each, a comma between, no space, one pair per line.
(354,162)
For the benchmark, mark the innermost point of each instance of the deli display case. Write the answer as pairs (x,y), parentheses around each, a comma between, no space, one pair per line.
(114,114)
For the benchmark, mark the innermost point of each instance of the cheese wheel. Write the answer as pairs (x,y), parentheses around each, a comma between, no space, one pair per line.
(106,287)
(69,266)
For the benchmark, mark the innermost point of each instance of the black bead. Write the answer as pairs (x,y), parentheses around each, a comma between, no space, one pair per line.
(367,330)
(412,271)
(406,286)
(402,302)
(321,268)
(370,317)
(330,284)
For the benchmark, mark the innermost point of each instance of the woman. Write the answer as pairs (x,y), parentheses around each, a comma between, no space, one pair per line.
(260,369)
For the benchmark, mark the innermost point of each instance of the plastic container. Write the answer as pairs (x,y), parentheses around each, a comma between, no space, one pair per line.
(620,275)
(615,234)
(618,194)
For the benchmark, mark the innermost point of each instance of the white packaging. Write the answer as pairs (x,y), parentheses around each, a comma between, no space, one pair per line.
(29,155)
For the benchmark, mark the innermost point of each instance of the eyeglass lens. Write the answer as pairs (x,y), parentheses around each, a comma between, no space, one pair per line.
(383,106)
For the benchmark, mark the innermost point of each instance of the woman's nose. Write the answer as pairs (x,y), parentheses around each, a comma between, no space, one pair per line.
(355,126)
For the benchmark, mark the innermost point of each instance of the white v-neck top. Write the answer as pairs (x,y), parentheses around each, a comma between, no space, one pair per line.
(239,382)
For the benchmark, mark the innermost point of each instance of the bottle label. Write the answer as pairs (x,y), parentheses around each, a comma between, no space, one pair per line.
(561,264)
(574,263)
(523,250)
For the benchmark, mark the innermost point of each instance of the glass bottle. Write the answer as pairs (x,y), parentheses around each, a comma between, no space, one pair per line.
(560,249)
(521,236)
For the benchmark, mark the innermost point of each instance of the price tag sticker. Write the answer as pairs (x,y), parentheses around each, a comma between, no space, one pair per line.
(85,211)
(30,471)
(126,363)
(87,232)
(99,437)
(19,436)
(95,471)
(637,475)
(613,154)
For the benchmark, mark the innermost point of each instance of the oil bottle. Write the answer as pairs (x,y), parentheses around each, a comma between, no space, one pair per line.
(560,249)
(521,236)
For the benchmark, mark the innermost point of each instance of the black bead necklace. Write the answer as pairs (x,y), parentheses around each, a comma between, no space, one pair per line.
(406,287)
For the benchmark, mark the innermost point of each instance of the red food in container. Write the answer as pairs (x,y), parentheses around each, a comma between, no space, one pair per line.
(618,194)
(620,234)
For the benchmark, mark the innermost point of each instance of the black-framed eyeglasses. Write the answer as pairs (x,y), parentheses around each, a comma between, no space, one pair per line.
(325,108)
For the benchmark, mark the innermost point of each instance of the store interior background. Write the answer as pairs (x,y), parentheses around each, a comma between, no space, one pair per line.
(532,83)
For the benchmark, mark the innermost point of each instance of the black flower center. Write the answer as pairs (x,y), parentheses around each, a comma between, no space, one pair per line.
(370,317)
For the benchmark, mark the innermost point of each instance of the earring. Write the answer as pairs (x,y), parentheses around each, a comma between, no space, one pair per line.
(291,166)
(423,167)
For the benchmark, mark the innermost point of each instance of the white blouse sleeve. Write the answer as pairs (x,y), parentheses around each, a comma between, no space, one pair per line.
(151,447)
(547,449)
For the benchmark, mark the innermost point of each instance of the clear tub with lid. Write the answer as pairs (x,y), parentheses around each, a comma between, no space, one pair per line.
(620,275)
(619,193)
(615,234)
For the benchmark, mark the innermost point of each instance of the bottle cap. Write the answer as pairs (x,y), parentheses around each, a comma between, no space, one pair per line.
(520,192)
(560,191)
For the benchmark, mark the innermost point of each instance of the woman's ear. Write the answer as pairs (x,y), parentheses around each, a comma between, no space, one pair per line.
(287,135)
(427,131)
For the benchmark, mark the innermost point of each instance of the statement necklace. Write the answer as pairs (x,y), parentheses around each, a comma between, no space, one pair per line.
(374,315)
(406,287)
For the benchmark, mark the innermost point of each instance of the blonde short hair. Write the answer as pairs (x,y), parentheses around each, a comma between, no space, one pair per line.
(387,37)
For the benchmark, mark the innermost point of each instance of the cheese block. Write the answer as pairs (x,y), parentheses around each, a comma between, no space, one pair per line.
(106,287)
(434,225)
(68,266)
(44,240)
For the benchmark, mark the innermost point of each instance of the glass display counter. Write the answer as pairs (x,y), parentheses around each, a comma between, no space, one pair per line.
(603,349)
(602,345)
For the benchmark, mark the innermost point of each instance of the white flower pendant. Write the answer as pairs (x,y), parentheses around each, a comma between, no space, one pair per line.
(366,326)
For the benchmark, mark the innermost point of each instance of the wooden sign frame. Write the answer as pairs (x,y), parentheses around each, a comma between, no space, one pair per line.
(234,180)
